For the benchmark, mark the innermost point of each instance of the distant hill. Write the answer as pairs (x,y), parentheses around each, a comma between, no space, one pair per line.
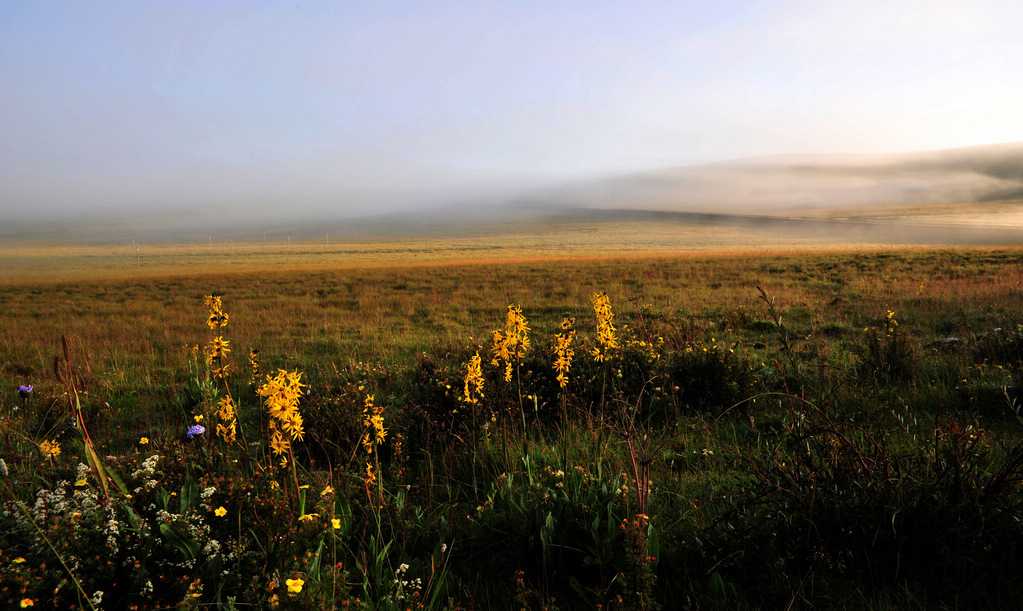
(794,184)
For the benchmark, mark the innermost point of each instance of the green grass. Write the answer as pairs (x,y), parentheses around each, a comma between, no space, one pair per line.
(806,453)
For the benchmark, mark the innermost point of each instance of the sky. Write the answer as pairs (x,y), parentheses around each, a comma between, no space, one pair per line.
(351,108)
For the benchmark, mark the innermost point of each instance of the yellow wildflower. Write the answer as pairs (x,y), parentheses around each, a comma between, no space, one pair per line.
(220,512)
(511,345)
(294,585)
(143,441)
(563,351)
(473,381)
(373,420)
(49,449)
(27,602)
(336,523)
(254,363)
(607,336)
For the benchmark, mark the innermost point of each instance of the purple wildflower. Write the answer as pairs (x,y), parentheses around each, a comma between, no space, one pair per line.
(24,391)
(194,430)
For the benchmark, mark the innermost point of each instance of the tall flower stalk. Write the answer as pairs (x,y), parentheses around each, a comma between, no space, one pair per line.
(216,352)
(281,395)
(563,354)
(607,337)
(511,346)
(376,433)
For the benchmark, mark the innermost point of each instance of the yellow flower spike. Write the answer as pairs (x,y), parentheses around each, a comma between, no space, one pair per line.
(473,381)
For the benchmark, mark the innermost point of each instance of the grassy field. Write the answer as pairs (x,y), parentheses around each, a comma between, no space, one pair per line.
(797,427)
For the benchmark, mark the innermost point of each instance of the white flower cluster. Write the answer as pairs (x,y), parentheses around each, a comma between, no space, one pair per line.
(146,473)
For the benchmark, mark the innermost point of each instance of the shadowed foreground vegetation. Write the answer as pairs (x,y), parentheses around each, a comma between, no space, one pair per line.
(823,430)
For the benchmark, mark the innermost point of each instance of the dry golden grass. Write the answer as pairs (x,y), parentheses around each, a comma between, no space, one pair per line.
(57,262)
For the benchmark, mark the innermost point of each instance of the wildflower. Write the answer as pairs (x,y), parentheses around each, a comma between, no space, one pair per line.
(891,322)
(143,441)
(278,444)
(19,560)
(220,512)
(371,477)
(512,344)
(196,429)
(49,449)
(607,338)
(197,417)
(336,523)
(473,381)
(563,351)
(24,392)
(327,490)
(227,429)
(294,585)
(254,363)
(281,394)
(308,517)
(27,602)
(373,420)
(217,350)
(217,316)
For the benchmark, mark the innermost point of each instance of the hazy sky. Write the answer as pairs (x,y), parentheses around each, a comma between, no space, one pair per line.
(356,106)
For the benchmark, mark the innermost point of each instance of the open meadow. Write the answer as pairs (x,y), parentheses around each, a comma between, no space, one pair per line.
(718,419)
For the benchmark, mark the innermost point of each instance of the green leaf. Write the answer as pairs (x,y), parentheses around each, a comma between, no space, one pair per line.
(189,496)
(314,564)
(188,547)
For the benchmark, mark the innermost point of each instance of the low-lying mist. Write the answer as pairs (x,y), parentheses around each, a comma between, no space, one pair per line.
(750,189)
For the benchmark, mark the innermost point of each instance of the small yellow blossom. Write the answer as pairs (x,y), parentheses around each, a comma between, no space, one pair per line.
(197,417)
(49,449)
(143,441)
(81,482)
(327,490)
(295,585)
(336,523)
(19,560)
(27,602)
(220,512)
(308,517)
